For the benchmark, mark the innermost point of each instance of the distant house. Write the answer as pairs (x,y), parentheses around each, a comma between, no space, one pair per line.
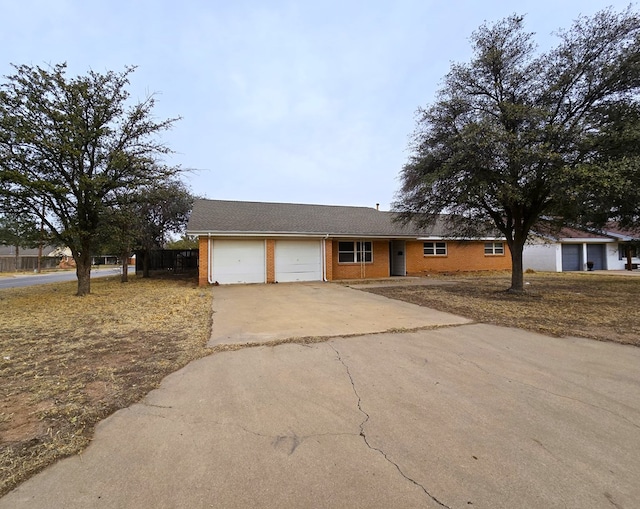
(628,241)
(27,259)
(571,250)
(257,242)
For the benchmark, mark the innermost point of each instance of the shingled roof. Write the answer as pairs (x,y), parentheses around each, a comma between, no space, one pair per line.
(239,217)
(46,251)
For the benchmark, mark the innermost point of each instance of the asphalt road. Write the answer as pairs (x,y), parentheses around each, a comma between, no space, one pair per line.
(55,277)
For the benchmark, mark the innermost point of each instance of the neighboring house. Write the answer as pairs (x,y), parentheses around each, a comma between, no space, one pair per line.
(571,249)
(628,241)
(255,242)
(27,259)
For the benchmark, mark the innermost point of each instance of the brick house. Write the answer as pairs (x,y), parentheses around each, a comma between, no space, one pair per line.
(257,242)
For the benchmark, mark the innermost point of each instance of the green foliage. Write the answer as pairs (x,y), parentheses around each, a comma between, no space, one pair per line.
(615,157)
(19,231)
(184,242)
(515,136)
(76,145)
(146,219)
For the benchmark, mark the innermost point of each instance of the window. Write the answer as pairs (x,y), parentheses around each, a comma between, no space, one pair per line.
(355,252)
(494,248)
(435,248)
(622,251)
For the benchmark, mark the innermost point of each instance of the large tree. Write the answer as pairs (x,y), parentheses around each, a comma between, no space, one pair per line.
(166,209)
(615,151)
(76,144)
(20,232)
(146,219)
(506,143)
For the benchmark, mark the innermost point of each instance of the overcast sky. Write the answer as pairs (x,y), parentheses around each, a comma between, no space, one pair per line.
(286,101)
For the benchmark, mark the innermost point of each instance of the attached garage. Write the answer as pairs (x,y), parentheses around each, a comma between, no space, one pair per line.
(596,254)
(571,257)
(238,261)
(298,260)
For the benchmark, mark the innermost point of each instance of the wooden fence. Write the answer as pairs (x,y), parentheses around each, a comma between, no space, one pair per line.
(27,263)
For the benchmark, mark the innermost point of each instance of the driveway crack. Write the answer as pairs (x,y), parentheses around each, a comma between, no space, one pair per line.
(363,434)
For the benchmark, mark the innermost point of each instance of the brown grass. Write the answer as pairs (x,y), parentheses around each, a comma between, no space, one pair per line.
(67,362)
(602,307)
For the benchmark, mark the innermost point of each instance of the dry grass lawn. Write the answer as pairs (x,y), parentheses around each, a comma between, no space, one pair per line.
(67,362)
(588,305)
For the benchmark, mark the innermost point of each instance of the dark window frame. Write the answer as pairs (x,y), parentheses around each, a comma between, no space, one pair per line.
(353,251)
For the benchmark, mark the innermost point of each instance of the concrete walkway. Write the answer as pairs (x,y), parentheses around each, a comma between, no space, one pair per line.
(469,415)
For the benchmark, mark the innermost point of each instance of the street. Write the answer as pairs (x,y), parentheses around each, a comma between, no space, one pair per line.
(56,277)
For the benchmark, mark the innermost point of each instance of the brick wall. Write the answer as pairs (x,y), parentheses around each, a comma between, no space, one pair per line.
(271,257)
(461,256)
(328,253)
(203,261)
(377,269)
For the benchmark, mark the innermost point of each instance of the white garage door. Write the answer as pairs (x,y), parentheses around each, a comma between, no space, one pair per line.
(298,260)
(238,261)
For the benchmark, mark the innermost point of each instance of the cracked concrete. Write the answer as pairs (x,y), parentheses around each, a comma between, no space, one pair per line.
(366,441)
(466,416)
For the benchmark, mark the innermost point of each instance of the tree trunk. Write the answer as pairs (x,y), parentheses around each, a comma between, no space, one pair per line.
(628,253)
(83,272)
(124,277)
(517,275)
(145,263)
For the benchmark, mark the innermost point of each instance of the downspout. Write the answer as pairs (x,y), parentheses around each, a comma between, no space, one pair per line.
(324,258)
(210,259)
(266,263)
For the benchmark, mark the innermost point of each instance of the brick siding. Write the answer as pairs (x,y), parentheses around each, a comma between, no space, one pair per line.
(461,256)
(203,261)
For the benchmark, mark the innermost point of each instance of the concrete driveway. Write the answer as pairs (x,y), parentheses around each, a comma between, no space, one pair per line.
(262,313)
(468,415)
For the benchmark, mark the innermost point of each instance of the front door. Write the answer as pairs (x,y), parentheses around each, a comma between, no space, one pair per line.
(397,256)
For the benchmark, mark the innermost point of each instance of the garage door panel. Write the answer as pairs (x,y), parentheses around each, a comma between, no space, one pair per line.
(238,261)
(571,257)
(596,254)
(298,260)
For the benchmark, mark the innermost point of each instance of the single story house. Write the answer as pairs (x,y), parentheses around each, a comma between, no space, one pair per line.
(628,242)
(571,250)
(257,242)
(17,259)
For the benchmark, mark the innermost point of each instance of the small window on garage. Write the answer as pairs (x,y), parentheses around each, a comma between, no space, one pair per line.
(494,248)
(435,248)
(355,252)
